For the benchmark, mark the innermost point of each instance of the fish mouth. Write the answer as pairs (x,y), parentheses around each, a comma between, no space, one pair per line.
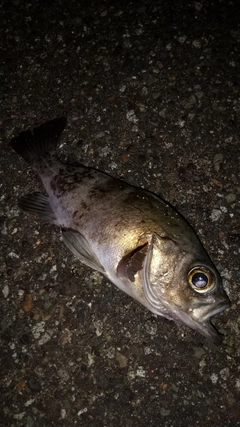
(201,317)
(204,312)
(210,332)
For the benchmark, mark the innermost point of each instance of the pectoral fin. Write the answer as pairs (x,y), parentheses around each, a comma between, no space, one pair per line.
(131,263)
(38,204)
(81,248)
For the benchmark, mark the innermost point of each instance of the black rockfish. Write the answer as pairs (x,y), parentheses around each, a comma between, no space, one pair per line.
(136,239)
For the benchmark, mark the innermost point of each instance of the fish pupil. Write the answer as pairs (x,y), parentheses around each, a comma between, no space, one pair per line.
(200,280)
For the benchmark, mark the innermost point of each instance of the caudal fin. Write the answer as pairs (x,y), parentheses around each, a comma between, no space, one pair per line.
(33,145)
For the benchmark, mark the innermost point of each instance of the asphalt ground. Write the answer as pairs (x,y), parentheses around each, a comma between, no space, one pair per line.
(151,93)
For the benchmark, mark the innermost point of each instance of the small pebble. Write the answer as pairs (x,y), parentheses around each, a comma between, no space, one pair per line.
(131,116)
(63,375)
(216,214)
(5,291)
(217,160)
(122,360)
(165,412)
(230,198)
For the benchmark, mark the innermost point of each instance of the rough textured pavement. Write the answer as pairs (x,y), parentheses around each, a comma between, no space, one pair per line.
(151,92)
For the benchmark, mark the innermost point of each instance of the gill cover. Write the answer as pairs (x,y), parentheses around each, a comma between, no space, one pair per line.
(157,270)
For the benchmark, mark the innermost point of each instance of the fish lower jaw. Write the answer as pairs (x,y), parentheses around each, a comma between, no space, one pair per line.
(203,313)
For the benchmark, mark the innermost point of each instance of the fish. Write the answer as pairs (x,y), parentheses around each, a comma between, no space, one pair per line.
(136,239)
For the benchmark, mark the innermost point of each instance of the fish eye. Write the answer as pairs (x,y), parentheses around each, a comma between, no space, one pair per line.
(201,279)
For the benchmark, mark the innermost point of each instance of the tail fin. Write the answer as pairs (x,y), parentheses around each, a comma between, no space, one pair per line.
(32,146)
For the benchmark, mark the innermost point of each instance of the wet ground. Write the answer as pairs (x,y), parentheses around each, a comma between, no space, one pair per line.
(151,92)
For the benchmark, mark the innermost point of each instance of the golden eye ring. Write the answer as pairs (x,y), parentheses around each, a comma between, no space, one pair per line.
(202,279)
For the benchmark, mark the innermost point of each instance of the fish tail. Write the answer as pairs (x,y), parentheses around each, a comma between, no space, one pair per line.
(33,145)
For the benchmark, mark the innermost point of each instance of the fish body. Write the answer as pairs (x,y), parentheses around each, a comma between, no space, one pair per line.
(133,237)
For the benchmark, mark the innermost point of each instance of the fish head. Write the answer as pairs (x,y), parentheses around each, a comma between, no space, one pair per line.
(183,285)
